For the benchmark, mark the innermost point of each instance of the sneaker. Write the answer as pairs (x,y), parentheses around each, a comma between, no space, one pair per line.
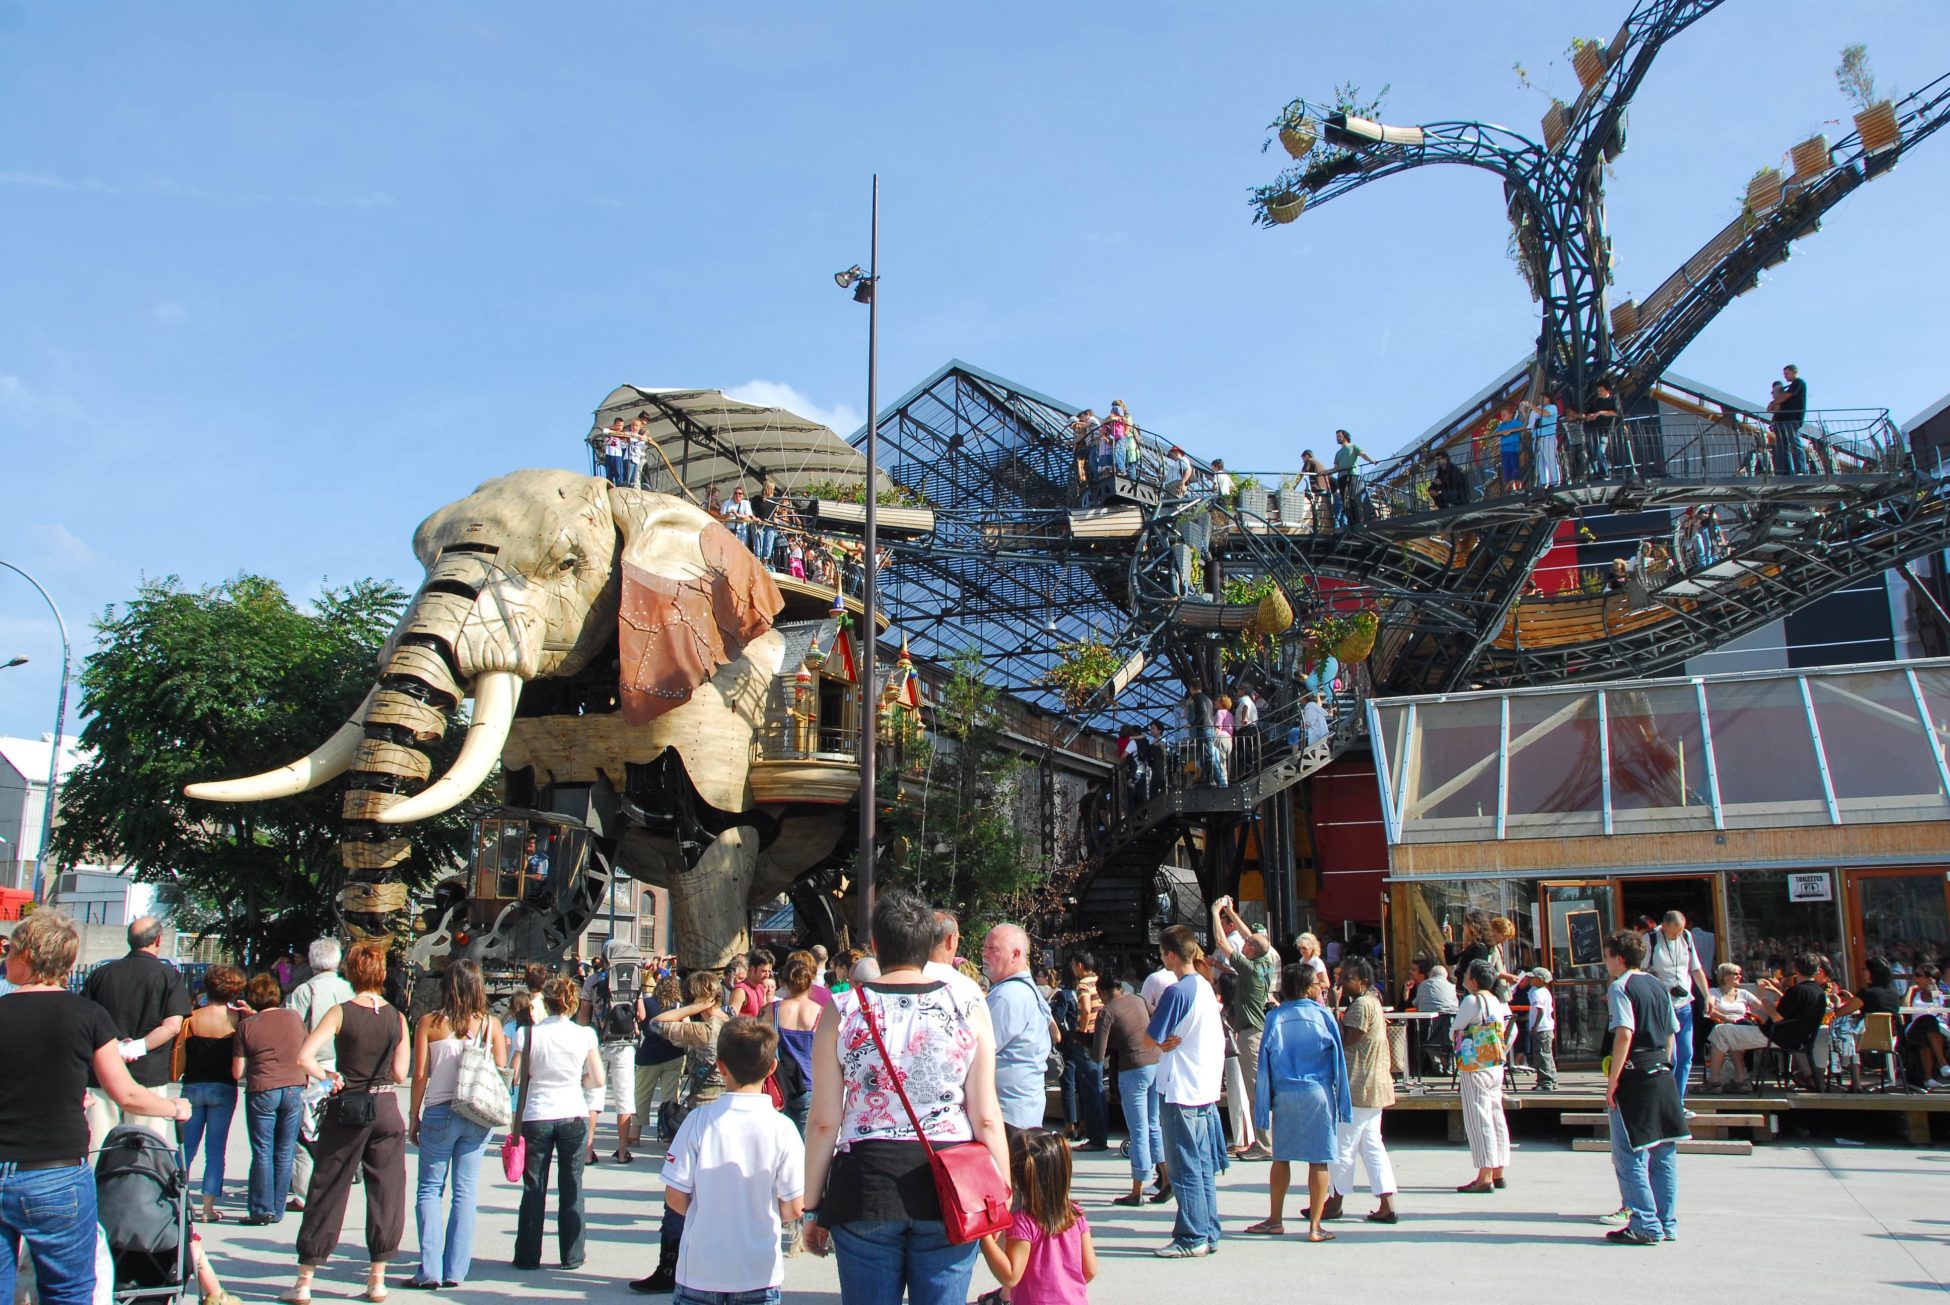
(1630,1237)
(1691,1115)
(1617,1218)
(1184,1251)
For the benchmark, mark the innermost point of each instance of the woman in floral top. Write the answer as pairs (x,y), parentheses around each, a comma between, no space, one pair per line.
(874,1202)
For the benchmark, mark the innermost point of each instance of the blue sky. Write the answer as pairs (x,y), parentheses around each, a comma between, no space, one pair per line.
(285,278)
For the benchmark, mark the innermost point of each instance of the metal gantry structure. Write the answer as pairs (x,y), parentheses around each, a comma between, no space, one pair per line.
(1554,191)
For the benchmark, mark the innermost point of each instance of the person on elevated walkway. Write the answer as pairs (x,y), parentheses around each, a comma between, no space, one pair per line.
(1350,501)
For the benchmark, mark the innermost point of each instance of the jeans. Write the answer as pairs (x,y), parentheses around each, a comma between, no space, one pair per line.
(449,1144)
(613,469)
(1093,1111)
(566,1139)
(1682,1047)
(760,1296)
(53,1210)
(211,1107)
(1136,1089)
(797,1108)
(1195,1153)
(1648,1182)
(766,543)
(272,1119)
(879,1259)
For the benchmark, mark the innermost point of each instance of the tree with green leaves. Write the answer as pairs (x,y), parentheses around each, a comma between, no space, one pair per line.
(953,811)
(232,679)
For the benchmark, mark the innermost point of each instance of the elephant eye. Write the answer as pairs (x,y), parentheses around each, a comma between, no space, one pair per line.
(568,564)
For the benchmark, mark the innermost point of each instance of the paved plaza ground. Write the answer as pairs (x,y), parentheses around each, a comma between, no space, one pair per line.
(1793,1222)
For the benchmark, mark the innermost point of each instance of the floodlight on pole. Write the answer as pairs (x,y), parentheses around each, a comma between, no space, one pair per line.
(18,661)
(862,285)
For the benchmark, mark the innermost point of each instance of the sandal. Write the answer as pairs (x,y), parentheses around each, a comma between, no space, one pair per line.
(622,1159)
(1322,1236)
(375,1290)
(1268,1228)
(213,1216)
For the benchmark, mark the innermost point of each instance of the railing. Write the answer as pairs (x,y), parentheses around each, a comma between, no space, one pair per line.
(1730,447)
(795,740)
(1278,735)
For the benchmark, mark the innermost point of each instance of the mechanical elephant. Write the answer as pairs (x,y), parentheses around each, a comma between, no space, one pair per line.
(612,640)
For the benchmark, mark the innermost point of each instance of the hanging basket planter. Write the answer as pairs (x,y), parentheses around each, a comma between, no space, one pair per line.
(1810,158)
(1877,125)
(1589,61)
(1285,208)
(1356,647)
(1299,136)
(1275,614)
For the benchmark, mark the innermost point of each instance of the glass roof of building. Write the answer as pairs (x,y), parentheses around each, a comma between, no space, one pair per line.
(1779,749)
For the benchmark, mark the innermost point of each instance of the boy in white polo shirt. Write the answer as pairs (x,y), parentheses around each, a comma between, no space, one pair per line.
(736,1168)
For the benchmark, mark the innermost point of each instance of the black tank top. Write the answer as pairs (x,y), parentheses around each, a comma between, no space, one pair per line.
(207,1060)
(365,1044)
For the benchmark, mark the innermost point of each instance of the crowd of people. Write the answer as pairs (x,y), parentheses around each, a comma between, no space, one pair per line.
(803,1100)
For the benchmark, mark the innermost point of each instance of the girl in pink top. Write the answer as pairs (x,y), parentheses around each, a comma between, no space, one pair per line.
(1046,1257)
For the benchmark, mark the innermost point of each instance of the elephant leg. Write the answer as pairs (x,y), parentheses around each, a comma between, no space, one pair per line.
(710,902)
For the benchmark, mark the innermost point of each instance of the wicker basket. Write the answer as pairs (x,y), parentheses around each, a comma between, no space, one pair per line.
(1764,191)
(1811,158)
(1285,208)
(1877,124)
(1356,647)
(1589,61)
(1299,137)
(1275,614)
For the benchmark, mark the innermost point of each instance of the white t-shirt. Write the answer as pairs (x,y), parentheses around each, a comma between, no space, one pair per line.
(736,1158)
(1222,482)
(1543,1008)
(964,988)
(1155,984)
(739,507)
(1193,1072)
(560,1054)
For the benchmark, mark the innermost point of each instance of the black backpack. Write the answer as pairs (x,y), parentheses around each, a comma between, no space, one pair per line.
(619,1024)
(140,1192)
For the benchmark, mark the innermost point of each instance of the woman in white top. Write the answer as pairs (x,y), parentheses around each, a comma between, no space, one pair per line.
(449,1143)
(1735,1014)
(1482,1088)
(562,1066)
(874,1203)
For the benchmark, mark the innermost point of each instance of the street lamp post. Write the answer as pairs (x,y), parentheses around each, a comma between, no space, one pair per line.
(60,719)
(866,289)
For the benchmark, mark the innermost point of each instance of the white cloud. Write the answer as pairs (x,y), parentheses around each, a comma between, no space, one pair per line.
(843,418)
(65,549)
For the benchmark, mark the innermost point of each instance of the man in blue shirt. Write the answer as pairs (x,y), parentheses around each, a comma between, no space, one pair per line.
(1022,1027)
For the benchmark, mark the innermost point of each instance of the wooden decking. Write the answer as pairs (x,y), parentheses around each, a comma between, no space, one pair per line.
(1581,1096)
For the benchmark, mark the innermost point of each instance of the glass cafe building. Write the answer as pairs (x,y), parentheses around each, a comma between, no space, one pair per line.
(1782,811)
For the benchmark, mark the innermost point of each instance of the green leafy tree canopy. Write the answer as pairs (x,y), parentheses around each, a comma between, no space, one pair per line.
(233,679)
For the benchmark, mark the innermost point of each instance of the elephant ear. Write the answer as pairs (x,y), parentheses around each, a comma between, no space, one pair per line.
(693,597)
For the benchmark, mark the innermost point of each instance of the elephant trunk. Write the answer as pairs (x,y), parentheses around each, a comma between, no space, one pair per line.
(407,711)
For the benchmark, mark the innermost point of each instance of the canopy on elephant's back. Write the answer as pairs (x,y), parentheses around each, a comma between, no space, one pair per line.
(709,440)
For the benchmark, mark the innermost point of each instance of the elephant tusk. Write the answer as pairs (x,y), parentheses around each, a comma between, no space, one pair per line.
(330,760)
(495,695)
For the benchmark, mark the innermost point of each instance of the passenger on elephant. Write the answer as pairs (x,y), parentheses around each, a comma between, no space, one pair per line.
(765,532)
(739,518)
(616,442)
(535,865)
(634,450)
(714,502)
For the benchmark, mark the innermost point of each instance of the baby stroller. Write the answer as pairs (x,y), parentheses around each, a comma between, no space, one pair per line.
(143,1197)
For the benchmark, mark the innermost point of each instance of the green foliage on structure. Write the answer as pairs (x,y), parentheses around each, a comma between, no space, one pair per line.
(229,680)
(953,823)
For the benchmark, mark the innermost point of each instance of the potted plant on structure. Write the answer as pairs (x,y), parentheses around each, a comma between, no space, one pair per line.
(1875,120)
(1085,667)
(1251,497)
(1588,59)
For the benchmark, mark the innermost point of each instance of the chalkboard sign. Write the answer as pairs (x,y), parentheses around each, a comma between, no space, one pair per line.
(1587,937)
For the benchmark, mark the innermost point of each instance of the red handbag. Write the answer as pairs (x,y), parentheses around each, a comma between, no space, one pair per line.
(974,1197)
